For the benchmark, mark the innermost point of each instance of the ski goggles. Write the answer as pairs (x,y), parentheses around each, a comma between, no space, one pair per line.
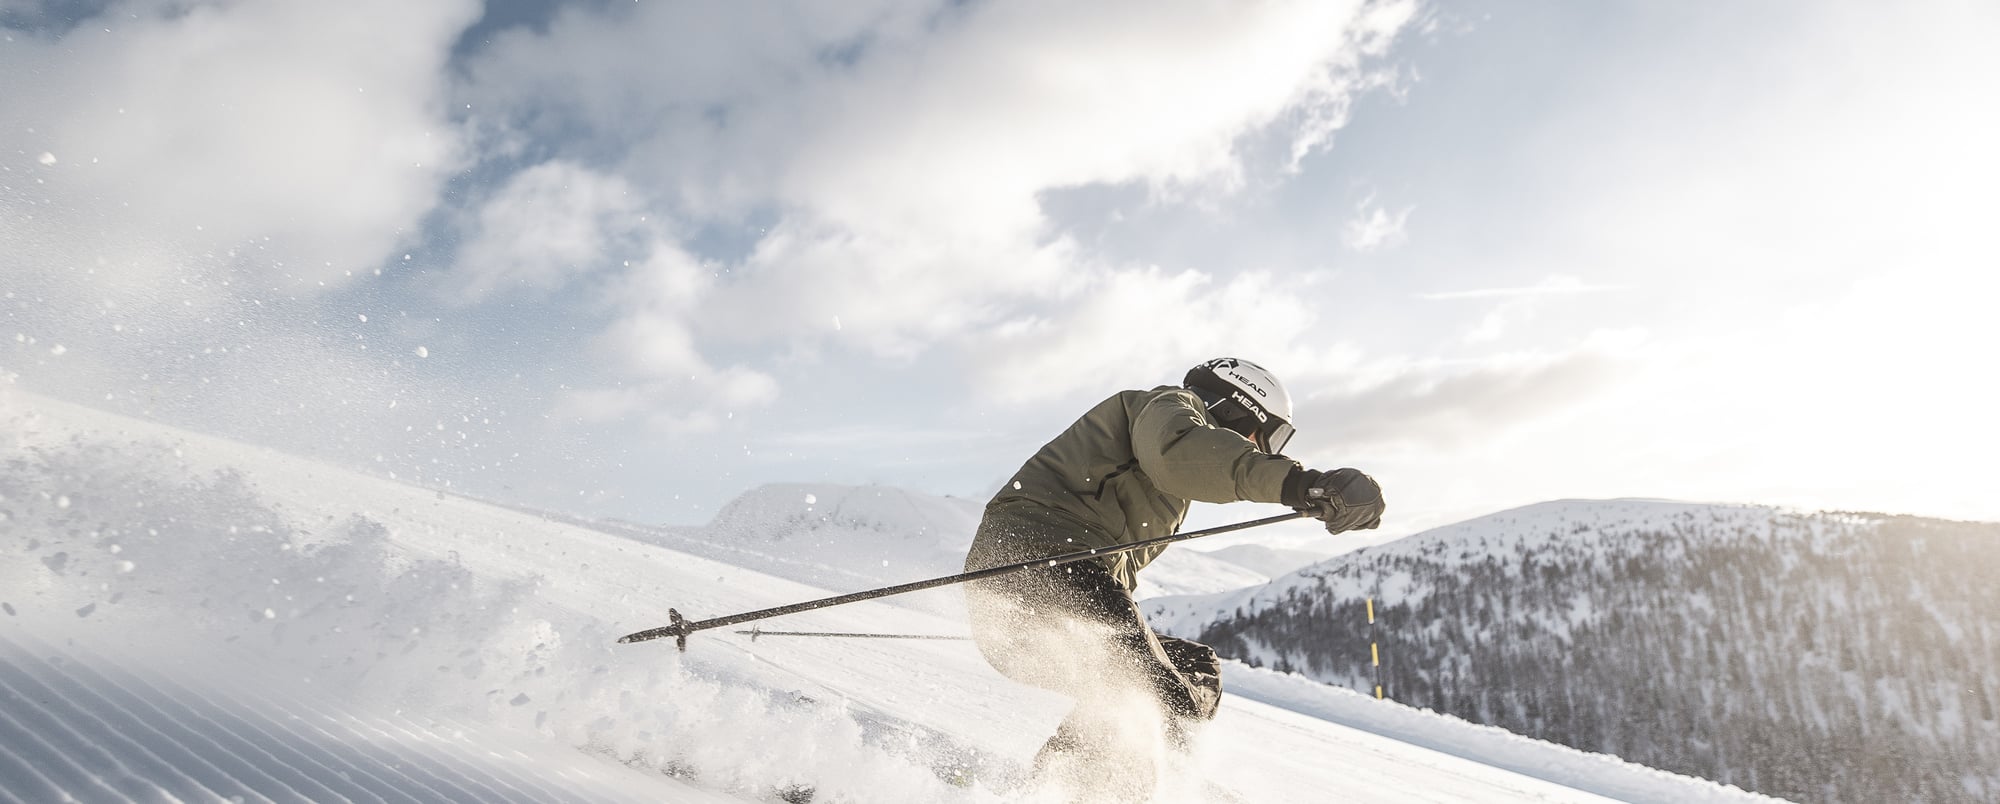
(1269,432)
(1276,435)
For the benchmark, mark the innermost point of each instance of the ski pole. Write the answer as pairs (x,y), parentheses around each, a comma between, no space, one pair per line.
(759,632)
(680,627)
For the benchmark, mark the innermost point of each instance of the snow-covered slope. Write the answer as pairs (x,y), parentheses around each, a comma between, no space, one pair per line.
(186,614)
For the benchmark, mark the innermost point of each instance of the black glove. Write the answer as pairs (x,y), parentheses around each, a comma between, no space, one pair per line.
(1345,499)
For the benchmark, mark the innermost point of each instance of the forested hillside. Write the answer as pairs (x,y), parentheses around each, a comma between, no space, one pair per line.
(1827,657)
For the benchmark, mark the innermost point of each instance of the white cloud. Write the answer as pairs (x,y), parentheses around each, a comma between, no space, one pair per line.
(901,148)
(961,129)
(1376,28)
(311,133)
(1516,304)
(1442,405)
(700,403)
(707,102)
(653,303)
(1125,326)
(1551,286)
(549,223)
(905,145)
(1374,228)
(651,354)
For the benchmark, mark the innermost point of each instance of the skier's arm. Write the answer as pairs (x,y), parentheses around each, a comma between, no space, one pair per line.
(1186,456)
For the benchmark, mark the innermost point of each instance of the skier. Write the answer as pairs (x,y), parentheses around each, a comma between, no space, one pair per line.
(1123,473)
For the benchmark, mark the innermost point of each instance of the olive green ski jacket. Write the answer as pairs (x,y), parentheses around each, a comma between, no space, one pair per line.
(1124,473)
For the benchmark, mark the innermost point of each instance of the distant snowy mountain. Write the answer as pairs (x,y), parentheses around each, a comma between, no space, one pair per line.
(186,618)
(1823,657)
(836,536)
(856,537)
(1271,562)
(1182,571)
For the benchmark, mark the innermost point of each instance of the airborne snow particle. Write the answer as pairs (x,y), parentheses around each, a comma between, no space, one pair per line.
(47,158)
(270,614)
(86,610)
(126,567)
(62,501)
(1017,485)
(58,350)
(362,316)
(520,700)
(812,499)
(423,351)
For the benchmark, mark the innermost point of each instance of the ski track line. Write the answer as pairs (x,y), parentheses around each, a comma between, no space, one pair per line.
(506,755)
(438,752)
(610,764)
(436,775)
(438,758)
(434,755)
(20,725)
(392,781)
(239,758)
(18,776)
(171,715)
(501,766)
(301,785)
(81,706)
(232,745)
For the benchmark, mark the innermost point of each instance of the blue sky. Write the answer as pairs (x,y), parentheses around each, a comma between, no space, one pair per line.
(630,259)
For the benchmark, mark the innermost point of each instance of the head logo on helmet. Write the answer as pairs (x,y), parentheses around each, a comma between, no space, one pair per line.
(1246,398)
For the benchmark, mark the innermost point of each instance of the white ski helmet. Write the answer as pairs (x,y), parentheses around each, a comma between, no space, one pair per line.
(1242,396)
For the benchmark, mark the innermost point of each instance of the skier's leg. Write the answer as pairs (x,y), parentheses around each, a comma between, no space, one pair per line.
(1198,664)
(1065,741)
(1034,626)
(1185,676)
(1075,630)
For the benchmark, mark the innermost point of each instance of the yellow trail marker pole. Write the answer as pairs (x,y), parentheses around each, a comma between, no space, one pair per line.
(1374,649)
